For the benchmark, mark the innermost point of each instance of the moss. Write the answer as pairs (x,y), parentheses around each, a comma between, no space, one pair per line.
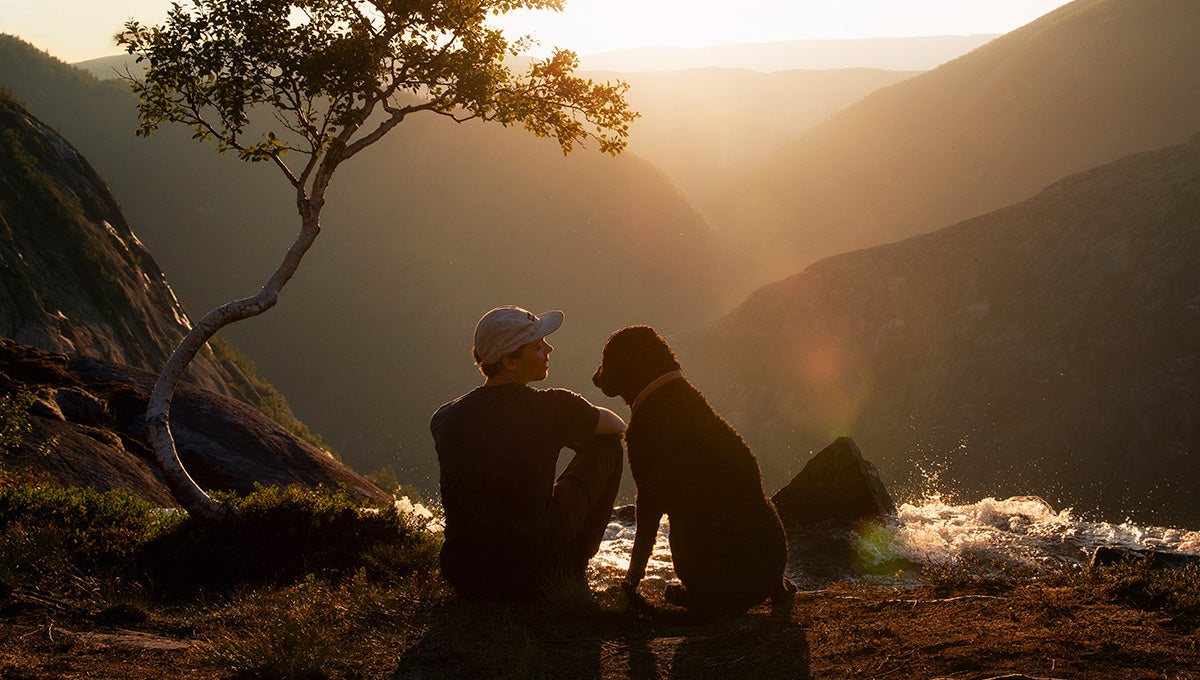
(14,418)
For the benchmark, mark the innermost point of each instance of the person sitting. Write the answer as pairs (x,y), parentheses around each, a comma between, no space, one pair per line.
(511,528)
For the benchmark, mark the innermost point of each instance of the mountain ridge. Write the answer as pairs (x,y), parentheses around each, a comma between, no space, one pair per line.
(898,54)
(1084,85)
(1044,348)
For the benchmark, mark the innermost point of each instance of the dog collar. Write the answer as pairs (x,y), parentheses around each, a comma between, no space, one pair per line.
(654,385)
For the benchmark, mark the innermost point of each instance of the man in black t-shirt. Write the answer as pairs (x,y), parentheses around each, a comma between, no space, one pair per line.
(511,527)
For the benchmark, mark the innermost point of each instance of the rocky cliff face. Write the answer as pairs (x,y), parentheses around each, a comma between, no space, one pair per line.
(94,319)
(75,279)
(1048,347)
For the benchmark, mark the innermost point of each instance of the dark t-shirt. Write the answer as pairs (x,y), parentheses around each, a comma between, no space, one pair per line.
(497,450)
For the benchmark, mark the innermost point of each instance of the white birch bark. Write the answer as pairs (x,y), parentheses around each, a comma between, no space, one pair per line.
(190,496)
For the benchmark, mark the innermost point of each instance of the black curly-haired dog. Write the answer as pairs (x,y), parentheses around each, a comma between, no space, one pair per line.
(727,544)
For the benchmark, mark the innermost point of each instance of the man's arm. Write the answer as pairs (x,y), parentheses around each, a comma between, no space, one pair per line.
(609,423)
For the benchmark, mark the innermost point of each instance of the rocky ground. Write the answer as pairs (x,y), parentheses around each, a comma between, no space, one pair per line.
(968,631)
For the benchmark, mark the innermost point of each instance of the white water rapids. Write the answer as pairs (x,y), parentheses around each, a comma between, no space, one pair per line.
(1022,532)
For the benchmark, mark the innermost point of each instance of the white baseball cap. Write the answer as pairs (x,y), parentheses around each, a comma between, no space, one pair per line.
(506,329)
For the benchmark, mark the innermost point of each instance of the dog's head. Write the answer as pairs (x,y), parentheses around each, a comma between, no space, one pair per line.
(633,358)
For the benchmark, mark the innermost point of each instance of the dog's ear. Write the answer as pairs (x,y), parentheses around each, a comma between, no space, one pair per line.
(653,354)
(633,357)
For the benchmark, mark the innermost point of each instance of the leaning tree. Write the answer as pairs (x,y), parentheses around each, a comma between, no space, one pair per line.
(307,84)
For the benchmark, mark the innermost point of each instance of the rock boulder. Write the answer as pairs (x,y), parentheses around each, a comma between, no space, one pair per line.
(88,429)
(837,484)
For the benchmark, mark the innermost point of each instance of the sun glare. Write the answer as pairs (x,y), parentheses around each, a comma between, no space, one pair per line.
(590,26)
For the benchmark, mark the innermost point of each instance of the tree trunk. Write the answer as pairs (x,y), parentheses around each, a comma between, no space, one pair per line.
(187,493)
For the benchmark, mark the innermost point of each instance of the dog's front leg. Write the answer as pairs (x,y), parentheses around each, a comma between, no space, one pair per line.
(648,518)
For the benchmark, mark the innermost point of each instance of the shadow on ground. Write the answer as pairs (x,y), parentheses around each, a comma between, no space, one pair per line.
(604,641)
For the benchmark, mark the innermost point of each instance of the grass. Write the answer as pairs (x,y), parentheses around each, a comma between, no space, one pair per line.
(299,585)
(306,585)
(1137,583)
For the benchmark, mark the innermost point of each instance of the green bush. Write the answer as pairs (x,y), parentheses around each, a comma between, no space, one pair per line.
(46,530)
(14,418)
(279,536)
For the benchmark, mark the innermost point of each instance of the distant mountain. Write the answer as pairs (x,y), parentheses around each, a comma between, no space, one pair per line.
(1046,348)
(706,126)
(423,233)
(1086,84)
(896,54)
(110,68)
(885,54)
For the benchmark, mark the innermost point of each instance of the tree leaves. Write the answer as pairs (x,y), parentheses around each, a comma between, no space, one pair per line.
(262,77)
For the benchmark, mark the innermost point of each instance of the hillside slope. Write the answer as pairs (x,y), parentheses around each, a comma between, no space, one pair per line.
(1086,84)
(75,277)
(1046,348)
(96,320)
(704,125)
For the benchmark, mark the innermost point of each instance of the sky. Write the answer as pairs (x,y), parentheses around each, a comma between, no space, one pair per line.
(78,30)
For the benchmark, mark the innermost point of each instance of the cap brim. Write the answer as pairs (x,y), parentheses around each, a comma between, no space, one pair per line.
(548,322)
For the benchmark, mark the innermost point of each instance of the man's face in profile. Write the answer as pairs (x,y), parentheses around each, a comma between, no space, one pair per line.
(532,363)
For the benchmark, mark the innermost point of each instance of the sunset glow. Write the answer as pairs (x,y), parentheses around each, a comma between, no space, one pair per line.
(77,30)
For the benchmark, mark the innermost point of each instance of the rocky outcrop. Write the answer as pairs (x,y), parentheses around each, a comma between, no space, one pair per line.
(73,276)
(88,429)
(837,484)
(831,510)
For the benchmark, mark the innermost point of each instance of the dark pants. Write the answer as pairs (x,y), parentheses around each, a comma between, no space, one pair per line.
(582,504)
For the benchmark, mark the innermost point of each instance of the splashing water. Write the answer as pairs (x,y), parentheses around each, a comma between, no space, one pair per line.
(1022,532)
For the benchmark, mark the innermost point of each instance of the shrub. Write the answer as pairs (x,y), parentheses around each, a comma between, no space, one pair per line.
(278,536)
(14,418)
(55,528)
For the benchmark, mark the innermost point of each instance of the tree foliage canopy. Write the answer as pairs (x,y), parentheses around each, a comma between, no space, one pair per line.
(338,74)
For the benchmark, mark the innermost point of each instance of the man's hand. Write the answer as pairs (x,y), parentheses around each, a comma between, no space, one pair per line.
(609,423)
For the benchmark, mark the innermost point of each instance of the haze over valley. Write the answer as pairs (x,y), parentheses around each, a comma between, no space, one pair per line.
(986,269)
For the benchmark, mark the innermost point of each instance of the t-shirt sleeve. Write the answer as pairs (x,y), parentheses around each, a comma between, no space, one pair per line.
(575,417)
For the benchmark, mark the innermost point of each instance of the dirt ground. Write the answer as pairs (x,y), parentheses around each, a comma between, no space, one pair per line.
(966,632)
